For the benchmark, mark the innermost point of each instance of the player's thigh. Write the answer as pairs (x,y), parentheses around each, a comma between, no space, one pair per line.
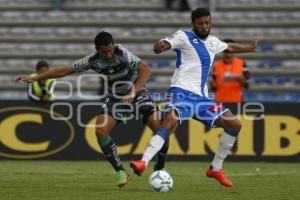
(154,121)
(170,120)
(104,125)
(145,109)
(228,121)
(208,112)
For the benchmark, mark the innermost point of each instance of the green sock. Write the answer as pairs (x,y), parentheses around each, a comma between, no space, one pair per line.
(109,150)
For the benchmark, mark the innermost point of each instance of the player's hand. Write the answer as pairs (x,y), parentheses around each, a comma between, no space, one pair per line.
(27,79)
(161,46)
(254,44)
(129,97)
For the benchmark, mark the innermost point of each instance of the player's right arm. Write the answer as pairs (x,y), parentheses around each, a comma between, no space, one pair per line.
(174,41)
(161,46)
(53,73)
(81,65)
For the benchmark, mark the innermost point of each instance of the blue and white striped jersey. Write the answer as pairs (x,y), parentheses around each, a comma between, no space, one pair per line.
(194,59)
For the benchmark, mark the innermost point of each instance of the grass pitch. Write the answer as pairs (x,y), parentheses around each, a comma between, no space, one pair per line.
(53,180)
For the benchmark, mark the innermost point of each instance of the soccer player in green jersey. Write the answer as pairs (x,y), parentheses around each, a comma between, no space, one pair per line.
(126,75)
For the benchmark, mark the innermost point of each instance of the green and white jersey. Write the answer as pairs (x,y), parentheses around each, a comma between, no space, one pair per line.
(122,67)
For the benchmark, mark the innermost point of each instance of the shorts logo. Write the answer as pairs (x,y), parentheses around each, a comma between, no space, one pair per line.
(216,108)
(111,70)
(169,98)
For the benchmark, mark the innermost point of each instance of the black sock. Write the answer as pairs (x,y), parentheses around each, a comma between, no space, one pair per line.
(162,156)
(109,149)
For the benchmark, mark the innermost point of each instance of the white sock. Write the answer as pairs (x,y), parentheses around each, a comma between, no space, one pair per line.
(153,147)
(225,145)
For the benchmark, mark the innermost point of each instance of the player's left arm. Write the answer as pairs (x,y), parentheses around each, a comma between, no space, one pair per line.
(144,73)
(242,48)
(143,70)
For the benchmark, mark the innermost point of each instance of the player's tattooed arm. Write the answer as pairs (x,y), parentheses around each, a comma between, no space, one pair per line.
(53,73)
(161,46)
(242,48)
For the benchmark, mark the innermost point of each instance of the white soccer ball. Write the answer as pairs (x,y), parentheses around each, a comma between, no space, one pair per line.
(160,181)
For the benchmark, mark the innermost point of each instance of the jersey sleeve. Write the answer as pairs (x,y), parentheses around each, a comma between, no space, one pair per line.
(82,64)
(132,59)
(219,45)
(176,39)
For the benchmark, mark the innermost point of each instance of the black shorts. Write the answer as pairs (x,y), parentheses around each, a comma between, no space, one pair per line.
(140,109)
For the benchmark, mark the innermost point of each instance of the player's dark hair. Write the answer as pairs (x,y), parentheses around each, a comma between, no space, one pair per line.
(199,12)
(103,39)
(41,64)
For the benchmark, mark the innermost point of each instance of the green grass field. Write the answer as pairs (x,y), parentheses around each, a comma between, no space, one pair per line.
(45,180)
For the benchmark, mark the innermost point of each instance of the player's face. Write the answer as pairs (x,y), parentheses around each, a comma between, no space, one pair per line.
(201,26)
(106,52)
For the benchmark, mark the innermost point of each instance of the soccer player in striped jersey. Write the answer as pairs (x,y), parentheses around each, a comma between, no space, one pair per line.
(188,94)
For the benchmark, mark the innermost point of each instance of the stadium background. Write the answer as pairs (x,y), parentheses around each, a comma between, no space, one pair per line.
(31,30)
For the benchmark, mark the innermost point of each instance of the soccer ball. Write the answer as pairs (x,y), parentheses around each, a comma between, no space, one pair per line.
(160,181)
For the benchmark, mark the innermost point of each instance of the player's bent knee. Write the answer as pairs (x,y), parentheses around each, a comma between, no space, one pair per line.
(170,121)
(101,133)
(237,125)
(234,128)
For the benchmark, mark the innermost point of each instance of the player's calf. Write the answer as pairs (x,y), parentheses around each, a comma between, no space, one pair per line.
(232,127)
(161,156)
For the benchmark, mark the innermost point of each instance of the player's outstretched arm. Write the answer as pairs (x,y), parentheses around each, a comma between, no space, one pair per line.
(242,48)
(161,46)
(53,73)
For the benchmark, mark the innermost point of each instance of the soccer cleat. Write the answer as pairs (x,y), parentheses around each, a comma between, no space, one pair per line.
(122,178)
(138,166)
(219,176)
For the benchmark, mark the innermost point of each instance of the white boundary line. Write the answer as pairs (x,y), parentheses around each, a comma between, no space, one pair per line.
(275,173)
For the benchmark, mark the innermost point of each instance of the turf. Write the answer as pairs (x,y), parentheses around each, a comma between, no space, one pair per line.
(41,180)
